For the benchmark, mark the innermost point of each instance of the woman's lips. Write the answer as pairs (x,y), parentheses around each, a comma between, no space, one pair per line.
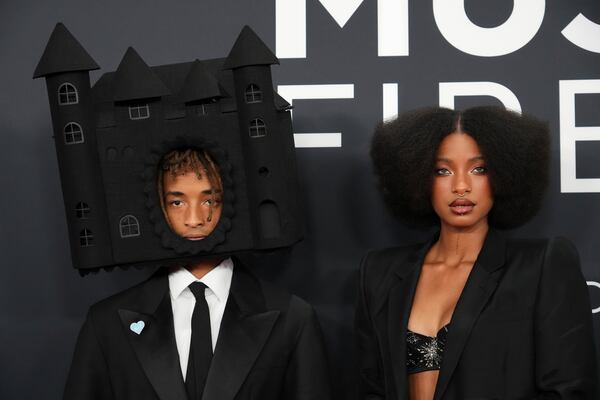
(462,206)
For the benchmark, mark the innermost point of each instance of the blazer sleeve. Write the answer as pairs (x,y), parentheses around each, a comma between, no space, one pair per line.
(307,376)
(88,377)
(564,342)
(371,383)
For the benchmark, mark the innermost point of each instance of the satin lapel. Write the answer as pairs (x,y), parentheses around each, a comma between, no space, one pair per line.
(155,344)
(245,328)
(480,285)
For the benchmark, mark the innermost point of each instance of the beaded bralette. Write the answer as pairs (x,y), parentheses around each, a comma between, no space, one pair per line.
(425,353)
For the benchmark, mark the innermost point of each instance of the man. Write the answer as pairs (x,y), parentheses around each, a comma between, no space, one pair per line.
(210,330)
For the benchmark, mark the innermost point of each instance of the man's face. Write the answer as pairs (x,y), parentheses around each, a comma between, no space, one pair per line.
(191,207)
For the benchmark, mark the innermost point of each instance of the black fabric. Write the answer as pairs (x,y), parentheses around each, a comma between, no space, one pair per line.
(200,344)
(425,353)
(521,328)
(270,347)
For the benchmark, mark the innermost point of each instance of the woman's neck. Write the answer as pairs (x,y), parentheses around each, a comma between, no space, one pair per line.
(458,245)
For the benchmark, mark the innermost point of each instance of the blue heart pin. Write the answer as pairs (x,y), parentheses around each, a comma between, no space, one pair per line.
(137,327)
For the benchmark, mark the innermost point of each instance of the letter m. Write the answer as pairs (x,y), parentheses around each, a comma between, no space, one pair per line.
(290,25)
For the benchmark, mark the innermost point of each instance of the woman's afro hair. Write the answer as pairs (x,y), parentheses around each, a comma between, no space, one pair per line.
(515,147)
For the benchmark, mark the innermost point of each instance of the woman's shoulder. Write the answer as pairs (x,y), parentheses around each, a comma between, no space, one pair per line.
(543,248)
(378,264)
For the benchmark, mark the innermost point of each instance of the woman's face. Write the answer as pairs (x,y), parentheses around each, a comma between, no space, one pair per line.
(461,194)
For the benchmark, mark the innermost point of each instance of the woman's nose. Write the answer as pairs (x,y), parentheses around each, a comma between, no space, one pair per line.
(461,184)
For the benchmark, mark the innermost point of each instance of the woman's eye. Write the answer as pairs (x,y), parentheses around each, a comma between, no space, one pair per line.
(176,203)
(479,170)
(442,171)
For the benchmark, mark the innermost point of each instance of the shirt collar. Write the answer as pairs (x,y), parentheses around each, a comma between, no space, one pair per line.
(218,280)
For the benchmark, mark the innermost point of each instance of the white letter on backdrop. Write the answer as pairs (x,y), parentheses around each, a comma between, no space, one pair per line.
(570,134)
(450,90)
(304,92)
(522,25)
(390,100)
(290,25)
(583,33)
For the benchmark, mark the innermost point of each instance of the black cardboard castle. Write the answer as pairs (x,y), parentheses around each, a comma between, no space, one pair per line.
(110,137)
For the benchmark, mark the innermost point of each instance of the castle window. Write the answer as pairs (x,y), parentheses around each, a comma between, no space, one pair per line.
(202,109)
(86,238)
(67,94)
(257,128)
(82,210)
(139,111)
(73,133)
(129,226)
(253,94)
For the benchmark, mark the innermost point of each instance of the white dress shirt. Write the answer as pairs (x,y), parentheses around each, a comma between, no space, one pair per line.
(218,282)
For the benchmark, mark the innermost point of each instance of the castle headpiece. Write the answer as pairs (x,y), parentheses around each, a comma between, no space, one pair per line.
(111,136)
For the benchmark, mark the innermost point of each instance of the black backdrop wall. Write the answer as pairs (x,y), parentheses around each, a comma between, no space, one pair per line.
(345,65)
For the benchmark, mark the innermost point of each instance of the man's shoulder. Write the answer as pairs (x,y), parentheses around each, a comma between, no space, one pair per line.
(131,297)
(277,298)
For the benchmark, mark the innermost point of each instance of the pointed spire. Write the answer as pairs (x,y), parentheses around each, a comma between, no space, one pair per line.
(135,80)
(63,53)
(280,102)
(249,50)
(201,84)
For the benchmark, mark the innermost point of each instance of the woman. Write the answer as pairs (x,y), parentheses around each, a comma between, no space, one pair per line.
(470,314)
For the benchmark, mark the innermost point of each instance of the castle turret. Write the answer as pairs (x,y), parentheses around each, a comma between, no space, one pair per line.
(65,64)
(201,91)
(265,129)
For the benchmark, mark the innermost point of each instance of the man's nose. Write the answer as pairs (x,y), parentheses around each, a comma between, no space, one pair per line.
(194,216)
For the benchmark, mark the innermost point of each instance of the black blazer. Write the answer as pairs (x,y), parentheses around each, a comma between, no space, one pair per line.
(269,347)
(521,328)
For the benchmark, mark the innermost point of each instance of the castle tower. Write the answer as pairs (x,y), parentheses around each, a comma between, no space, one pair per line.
(137,100)
(65,64)
(201,91)
(266,135)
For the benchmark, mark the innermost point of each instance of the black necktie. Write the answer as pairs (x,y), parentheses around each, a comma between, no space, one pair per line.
(200,345)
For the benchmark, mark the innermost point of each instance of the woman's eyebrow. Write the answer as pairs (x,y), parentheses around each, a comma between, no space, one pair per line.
(476,158)
(174,194)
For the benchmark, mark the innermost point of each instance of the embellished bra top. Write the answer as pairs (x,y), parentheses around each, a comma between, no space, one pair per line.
(425,353)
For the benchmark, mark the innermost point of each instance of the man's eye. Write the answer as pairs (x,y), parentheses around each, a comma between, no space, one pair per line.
(442,171)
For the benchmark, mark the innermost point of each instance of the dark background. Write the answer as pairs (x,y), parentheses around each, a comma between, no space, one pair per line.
(44,300)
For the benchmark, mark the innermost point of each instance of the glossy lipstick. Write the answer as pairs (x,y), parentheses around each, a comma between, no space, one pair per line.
(462,206)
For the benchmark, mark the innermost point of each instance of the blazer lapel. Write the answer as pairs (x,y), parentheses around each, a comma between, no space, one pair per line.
(480,285)
(153,338)
(244,330)
(399,303)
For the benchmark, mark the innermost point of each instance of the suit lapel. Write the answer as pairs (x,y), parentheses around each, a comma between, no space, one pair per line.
(480,285)
(405,275)
(155,344)
(244,330)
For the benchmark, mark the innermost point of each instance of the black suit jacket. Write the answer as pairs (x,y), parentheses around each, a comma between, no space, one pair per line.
(521,328)
(269,347)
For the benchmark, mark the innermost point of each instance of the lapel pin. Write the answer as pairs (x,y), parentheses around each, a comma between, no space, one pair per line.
(137,327)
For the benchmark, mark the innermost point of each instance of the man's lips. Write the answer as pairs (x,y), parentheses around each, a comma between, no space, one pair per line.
(462,206)
(195,237)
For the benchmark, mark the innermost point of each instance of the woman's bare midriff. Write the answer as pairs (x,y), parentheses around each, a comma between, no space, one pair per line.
(421,386)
